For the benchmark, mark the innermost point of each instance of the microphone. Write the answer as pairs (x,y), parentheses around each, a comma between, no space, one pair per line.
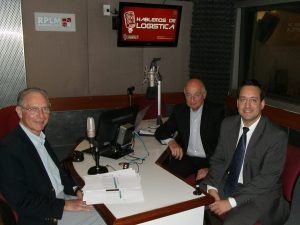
(153,78)
(91,133)
(90,130)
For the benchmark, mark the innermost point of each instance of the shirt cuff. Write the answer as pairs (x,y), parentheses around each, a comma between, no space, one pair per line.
(76,188)
(232,202)
(211,187)
(166,141)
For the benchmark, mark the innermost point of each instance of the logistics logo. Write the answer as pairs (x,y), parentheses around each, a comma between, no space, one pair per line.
(66,22)
(129,21)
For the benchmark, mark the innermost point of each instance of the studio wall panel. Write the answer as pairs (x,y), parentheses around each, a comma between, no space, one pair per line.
(12,65)
(57,61)
(88,62)
(211,45)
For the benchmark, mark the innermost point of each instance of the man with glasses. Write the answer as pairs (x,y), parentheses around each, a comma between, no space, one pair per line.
(191,132)
(31,178)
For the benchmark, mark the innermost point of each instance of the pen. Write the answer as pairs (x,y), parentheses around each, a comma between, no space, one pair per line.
(113,189)
(115,182)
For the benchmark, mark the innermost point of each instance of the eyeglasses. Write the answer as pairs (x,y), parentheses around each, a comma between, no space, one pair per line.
(36,110)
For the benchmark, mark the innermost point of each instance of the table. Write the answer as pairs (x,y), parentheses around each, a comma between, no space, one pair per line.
(168,199)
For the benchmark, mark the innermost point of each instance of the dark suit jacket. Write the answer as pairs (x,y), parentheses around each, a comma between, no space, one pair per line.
(24,181)
(263,164)
(179,121)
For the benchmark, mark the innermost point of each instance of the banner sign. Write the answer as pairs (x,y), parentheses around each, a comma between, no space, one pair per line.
(149,24)
(54,22)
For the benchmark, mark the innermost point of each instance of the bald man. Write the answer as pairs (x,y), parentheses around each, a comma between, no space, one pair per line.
(196,124)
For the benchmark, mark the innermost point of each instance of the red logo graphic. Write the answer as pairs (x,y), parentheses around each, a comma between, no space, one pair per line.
(129,21)
(66,22)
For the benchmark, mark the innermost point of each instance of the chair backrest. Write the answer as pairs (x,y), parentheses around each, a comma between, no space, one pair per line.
(8,215)
(291,171)
(290,174)
(8,119)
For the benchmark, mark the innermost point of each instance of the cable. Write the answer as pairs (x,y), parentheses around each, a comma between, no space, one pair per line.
(131,159)
(111,167)
(134,159)
(139,137)
(137,165)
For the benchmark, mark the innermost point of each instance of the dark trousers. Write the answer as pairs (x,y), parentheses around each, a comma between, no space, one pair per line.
(187,165)
(249,213)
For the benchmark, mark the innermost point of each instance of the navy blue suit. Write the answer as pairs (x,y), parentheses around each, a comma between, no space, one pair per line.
(25,183)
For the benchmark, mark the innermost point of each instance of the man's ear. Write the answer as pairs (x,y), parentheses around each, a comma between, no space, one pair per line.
(262,104)
(19,111)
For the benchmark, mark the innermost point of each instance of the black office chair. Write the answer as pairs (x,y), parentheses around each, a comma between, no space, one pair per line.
(290,175)
(9,121)
(7,216)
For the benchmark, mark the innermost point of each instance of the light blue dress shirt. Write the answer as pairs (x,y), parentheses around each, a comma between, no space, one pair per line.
(51,168)
(195,147)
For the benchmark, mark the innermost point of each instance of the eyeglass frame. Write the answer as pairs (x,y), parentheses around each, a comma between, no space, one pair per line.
(34,110)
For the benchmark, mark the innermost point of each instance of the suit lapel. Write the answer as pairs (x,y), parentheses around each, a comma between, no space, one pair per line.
(186,125)
(32,152)
(234,133)
(204,119)
(256,136)
(52,154)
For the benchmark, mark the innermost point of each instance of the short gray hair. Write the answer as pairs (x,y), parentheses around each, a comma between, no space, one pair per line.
(22,94)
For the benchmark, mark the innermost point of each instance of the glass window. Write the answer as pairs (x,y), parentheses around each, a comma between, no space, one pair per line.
(270,50)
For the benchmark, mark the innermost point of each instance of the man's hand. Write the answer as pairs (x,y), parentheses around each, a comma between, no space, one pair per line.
(201,173)
(176,149)
(79,193)
(77,205)
(214,193)
(220,207)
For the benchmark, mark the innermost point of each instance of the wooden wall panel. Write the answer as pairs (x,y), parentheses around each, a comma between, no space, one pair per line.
(112,101)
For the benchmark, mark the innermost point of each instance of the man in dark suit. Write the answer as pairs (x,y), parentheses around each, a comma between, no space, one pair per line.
(256,194)
(197,124)
(31,178)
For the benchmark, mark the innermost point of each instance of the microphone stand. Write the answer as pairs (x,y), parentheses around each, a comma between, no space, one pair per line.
(130,93)
(97,169)
(158,119)
(153,77)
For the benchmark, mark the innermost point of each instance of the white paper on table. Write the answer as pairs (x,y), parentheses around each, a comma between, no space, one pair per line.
(120,186)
